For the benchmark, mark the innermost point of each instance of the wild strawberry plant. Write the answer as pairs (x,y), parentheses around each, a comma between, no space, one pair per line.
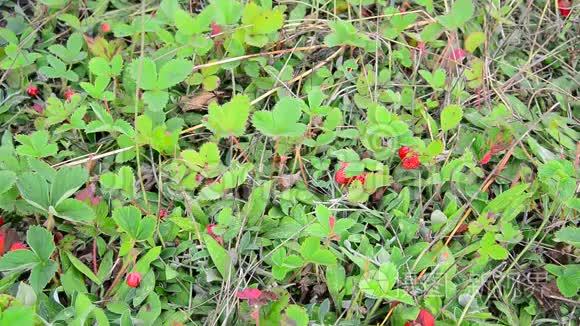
(349,162)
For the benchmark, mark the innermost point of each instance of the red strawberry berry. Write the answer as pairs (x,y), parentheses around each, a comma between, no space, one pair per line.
(105,27)
(404,151)
(331,222)
(249,294)
(134,279)
(564,6)
(361,177)
(68,94)
(32,91)
(340,176)
(38,108)
(486,157)
(215,29)
(2,242)
(411,162)
(18,245)
(209,229)
(162,213)
(423,319)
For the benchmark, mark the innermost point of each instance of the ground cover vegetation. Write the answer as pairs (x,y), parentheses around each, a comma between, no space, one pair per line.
(316,162)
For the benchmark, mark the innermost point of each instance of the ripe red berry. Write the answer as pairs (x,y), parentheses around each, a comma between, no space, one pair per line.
(215,29)
(32,91)
(362,178)
(331,222)
(425,318)
(38,108)
(134,279)
(18,245)
(404,151)
(564,6)
(340,176)
(209,229)
(162,213)
(486,157)
(68,94)
(411,162)
(2,242)
(105,27)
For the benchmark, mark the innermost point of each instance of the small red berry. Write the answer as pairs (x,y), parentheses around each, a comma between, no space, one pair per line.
(404,151)
(215,29)
(457,55)
(105,27)
(340,176)
(564,6)
(32,91)
(331,222)
(68,94)
(134,279)
(486,157)
(209,229)
(18,245)
(423,319)
(2,242)
(162,213)
(412,162)
(38,108)
(362,178)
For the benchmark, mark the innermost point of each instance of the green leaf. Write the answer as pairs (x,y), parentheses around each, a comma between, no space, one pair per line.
(282,121)
(435,79)
(143,264)
(570,235)
(18,315)
(41,274)
(297,315)
(66,182)
(309,247)
(128,219)
(156,100)
(34,189)
(460,13)
(226,12)
(40,241)
(99,66)
(400,296)
(219,256)
(451,116)
(261,20)
(7,180)
(474,40)
(174,72)
(229,119)
(36,145)
(18,260)
(344,33)
(83,268)
(323,257)
(569,281)
(74,211)
(146,228)
(144,72)
(387,276)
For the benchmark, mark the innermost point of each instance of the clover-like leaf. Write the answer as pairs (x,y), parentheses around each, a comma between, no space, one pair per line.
(282,121)
(229,119)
